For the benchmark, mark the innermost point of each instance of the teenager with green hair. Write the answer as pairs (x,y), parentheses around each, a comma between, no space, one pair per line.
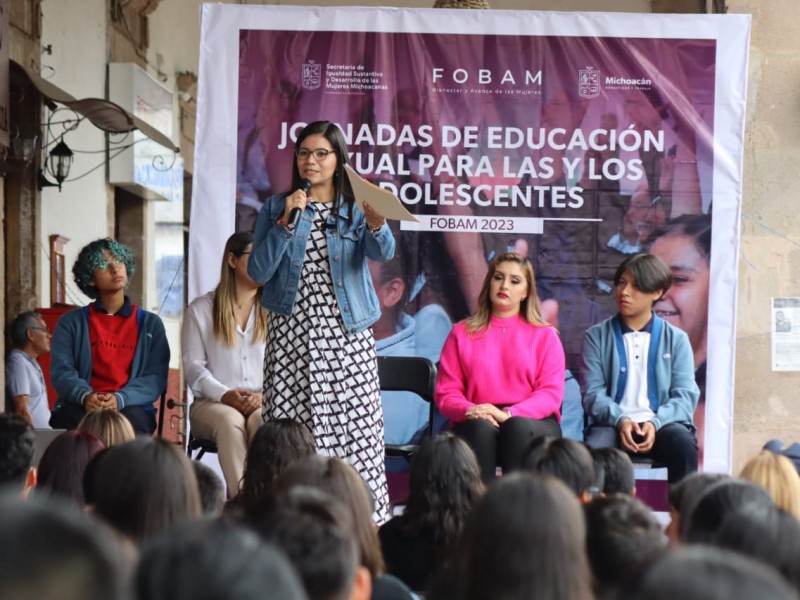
(111,354)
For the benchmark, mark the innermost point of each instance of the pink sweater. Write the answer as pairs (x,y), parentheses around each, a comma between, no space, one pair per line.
(513,363)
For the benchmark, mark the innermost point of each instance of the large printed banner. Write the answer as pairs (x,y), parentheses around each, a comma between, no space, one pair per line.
(575,139)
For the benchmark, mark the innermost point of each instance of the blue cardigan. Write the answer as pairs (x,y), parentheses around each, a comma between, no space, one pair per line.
(671,387)
(71,360)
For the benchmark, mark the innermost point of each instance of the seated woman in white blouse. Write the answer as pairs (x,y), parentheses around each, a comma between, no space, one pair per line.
(223,338)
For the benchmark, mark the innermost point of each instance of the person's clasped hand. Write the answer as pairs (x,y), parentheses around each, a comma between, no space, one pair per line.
(487,412)
(243,401)
(100,401)
(637,437)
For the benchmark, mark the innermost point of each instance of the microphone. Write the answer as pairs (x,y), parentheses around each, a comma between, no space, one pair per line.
(294,216)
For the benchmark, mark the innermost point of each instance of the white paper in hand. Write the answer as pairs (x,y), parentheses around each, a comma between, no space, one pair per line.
(383,201)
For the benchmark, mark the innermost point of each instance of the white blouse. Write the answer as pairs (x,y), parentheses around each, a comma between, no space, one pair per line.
(211,368)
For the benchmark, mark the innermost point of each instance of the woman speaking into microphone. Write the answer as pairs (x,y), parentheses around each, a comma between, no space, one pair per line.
(320,366)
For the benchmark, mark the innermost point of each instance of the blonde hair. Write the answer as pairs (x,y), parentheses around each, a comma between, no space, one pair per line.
(529,309)
(777,475)
(109,426)
(222,312)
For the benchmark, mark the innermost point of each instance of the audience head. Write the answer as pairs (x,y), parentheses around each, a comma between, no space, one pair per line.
(16,454)
(276,445)
(777,475)
(565,459)
(766,534)
(792,452)
(331,132)
(617,469)
(63,463)
(622,535)
(54,553)
(707,573)
(109,426)
(337,478)
(649,273)
(599,475)
(526,539)
(94,256)
(214,559)
(444,484)
(89,476)
(315,532)
(529,309)
(235,279)
(211,488)
(683,495)
(28,329)
(144,487)
(235,247)
(717,502)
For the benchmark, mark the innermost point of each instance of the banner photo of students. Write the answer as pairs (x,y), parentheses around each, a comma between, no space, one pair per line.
(572,138)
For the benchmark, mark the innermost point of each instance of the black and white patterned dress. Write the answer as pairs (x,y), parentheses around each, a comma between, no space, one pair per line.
(320,375)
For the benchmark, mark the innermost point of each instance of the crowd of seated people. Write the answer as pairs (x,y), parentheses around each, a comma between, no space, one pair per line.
(500,382)
(147,525)
(111,515)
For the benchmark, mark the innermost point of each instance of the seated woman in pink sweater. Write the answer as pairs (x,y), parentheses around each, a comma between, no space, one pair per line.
(501,371)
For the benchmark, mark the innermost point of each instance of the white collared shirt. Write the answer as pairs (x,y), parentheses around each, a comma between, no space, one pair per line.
(635,403)
(211,368)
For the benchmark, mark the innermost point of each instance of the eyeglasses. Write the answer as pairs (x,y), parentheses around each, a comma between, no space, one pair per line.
(240,253)
(107,264)
(45,329)
(319,154)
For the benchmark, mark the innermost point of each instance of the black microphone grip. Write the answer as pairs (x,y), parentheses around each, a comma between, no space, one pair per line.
(294,215)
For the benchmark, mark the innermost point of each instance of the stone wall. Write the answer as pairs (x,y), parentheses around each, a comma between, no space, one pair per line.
(767,403)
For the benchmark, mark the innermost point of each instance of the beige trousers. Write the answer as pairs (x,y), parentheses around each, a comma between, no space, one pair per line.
(230,431)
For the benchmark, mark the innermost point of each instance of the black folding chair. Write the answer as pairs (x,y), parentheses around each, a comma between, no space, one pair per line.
(408,374)
(162,413)
(199,446)
(194,444)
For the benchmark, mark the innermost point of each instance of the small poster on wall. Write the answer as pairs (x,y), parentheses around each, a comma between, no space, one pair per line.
(785,328)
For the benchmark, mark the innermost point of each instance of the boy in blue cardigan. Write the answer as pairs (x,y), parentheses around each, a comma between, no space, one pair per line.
(638,374)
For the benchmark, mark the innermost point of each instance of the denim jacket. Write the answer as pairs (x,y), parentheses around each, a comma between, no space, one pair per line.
(277,260)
